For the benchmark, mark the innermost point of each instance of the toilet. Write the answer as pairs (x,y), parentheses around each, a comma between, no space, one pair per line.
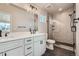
(50,44)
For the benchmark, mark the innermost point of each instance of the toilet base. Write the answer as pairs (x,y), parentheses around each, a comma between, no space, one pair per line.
(50,46)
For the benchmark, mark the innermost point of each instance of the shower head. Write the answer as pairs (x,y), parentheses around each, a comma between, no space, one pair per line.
(72,13)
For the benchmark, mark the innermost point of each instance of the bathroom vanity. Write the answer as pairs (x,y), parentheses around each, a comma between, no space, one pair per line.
(23,44)
(20,43)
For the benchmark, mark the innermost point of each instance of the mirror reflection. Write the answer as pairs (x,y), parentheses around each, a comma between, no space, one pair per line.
(4,22)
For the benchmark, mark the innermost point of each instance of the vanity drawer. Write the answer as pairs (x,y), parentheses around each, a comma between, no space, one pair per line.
(30,54)
(1,47)
(28,49)
(28,40)
(12,44)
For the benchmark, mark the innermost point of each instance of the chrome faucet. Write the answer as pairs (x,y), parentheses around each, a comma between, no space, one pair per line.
(6,34)
(0,33)
(33,31)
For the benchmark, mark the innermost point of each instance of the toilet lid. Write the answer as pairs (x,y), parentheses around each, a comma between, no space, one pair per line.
(50,41)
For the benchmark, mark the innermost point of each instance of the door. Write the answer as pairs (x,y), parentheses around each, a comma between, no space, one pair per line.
(36,48)
(42,45)
(15,52)
(39,45)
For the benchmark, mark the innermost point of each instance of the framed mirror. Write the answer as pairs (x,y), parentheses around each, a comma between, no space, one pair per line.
(36,22)
(5,22)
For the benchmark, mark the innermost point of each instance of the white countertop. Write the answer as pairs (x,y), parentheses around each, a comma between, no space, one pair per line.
(18,35)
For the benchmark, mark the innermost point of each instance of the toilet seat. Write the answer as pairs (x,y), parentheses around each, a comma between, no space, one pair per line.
(50,41)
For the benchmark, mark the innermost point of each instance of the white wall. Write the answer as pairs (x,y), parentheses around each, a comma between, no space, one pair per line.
(19,17)
(42,26)
(62,32)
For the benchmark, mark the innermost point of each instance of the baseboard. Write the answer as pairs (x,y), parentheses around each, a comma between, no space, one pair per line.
(67,44)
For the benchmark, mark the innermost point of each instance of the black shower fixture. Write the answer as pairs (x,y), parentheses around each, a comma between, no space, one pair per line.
(76,20)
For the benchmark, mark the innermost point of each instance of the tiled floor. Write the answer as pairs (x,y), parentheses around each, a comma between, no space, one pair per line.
(58,52)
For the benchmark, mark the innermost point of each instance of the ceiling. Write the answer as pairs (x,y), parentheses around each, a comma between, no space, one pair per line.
(51,8)
(54,7)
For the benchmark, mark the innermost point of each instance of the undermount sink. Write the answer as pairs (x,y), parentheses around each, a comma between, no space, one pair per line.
(3,37)
(6,37)
(17,34)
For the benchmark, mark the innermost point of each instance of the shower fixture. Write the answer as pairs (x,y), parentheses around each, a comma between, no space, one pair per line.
(72,22)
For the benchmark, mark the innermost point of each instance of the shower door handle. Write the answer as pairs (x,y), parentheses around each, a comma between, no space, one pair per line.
(73,28)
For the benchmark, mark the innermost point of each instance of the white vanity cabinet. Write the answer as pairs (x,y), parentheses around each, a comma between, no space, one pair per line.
(28,46)
(1,47)
(29,50)
(34,45)
(36,48)
(39,45)
(14,52)
(42,45)
(12,48)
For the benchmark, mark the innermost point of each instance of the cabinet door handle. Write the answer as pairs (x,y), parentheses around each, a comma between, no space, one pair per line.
(28,40)
(41,42)
(5,54)
(29,48)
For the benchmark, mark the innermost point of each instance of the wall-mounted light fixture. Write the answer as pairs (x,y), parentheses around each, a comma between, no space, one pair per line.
(33,7)
(30,8)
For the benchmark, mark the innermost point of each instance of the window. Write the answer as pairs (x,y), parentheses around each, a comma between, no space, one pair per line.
(4,26)
(42,19)
(5,21)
